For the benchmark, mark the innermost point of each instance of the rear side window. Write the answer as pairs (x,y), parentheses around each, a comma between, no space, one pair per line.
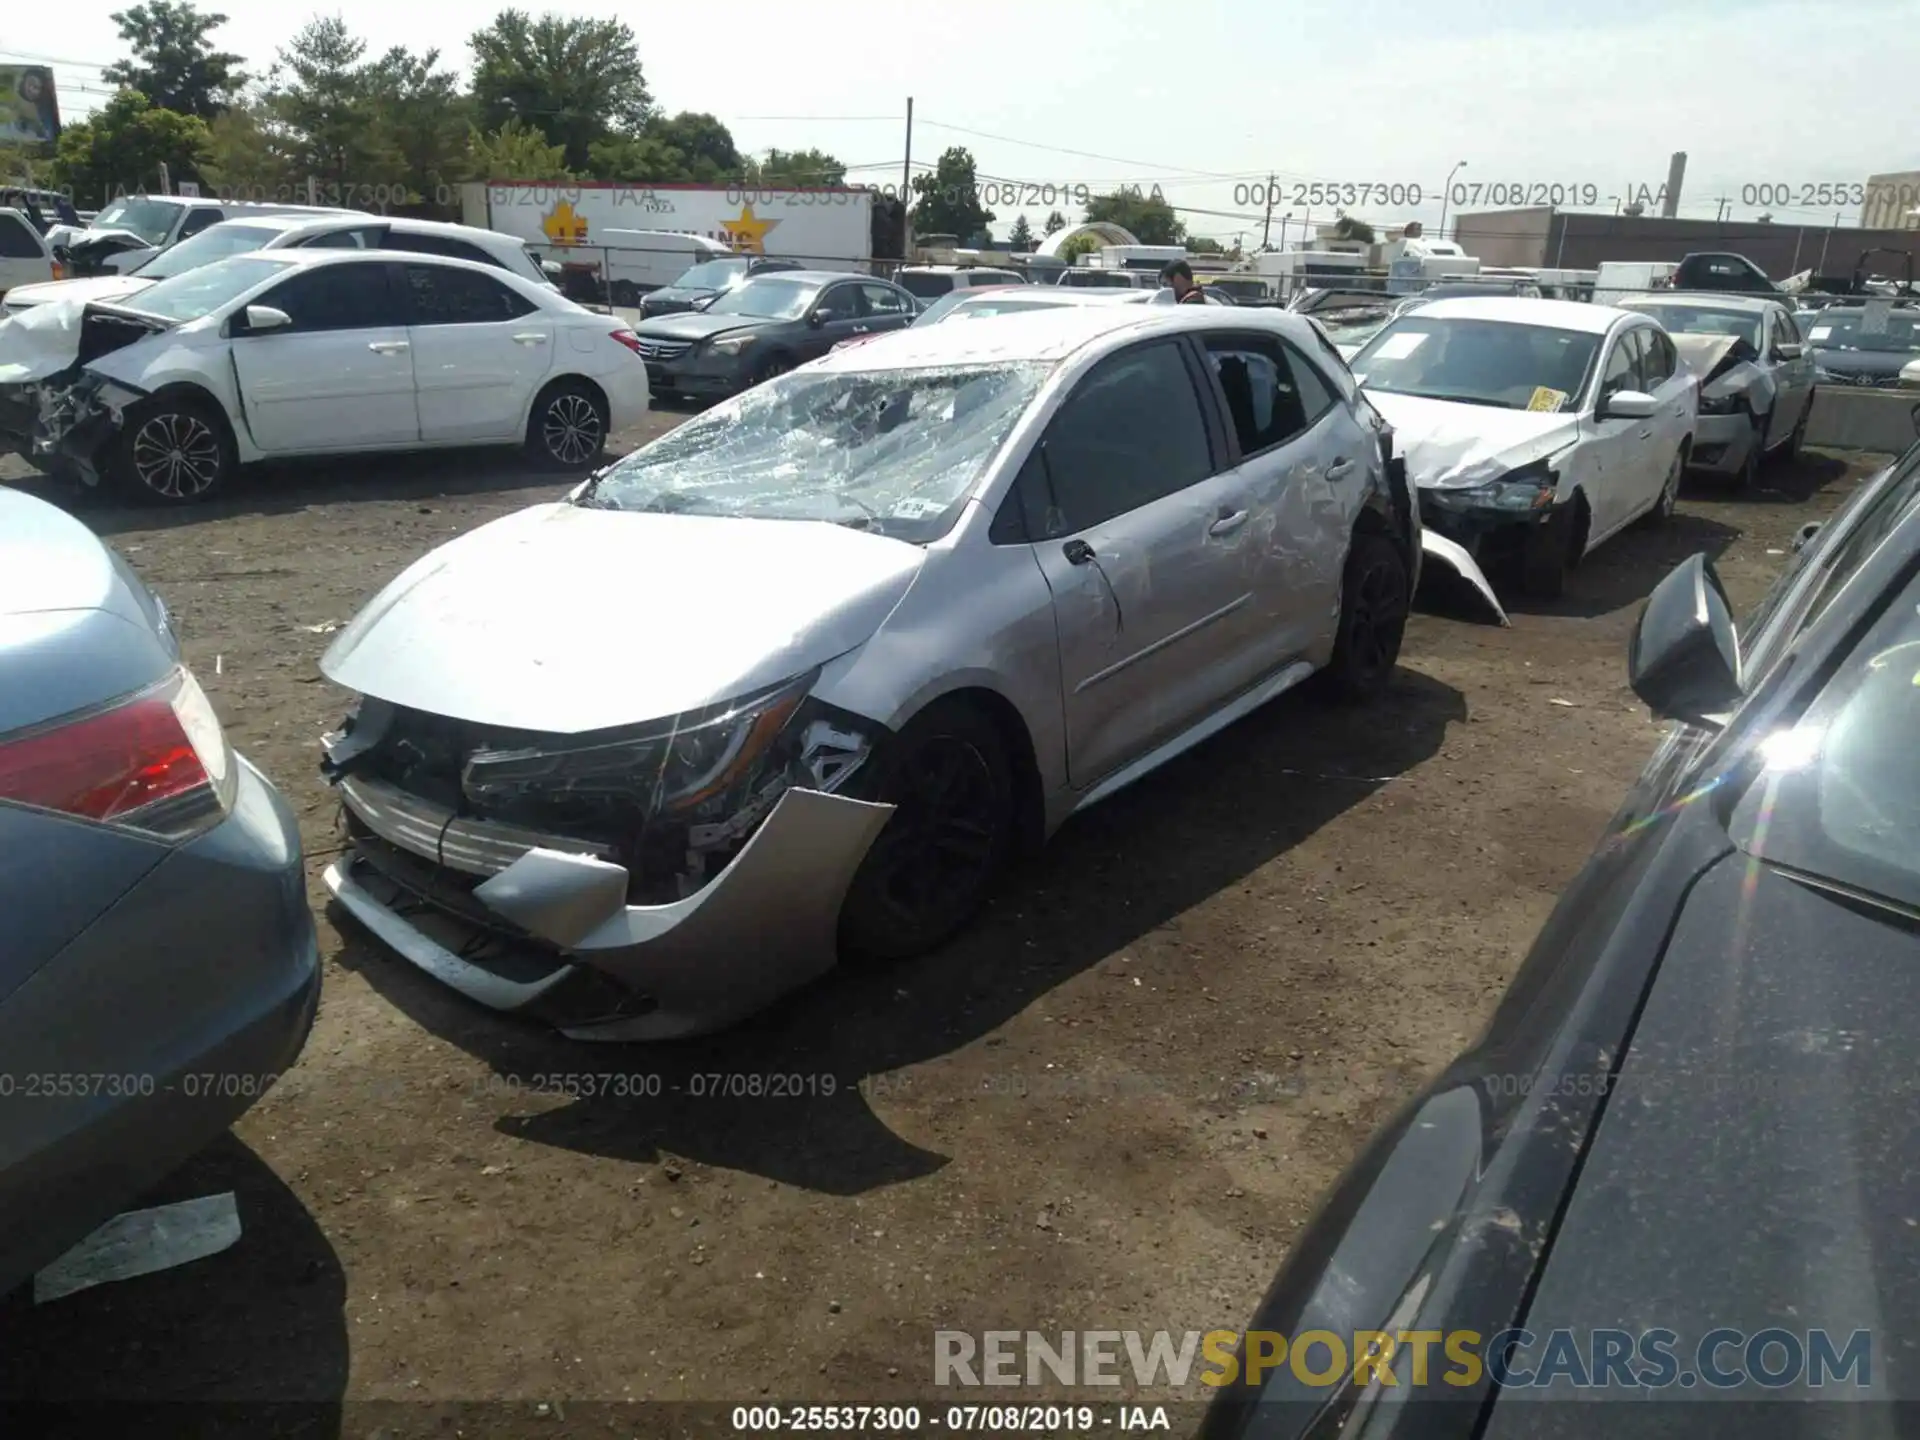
(444,295)
(364,237)
(1131,433)
(17,240)
(352,296)
(440,245)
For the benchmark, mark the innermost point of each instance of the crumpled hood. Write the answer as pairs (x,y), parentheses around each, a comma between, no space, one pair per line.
(1449,446)
(565,620)
(98,287)
(697,325)
(41,341)
(1710,356)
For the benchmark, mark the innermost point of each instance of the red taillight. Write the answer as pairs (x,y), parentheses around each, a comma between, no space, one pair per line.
(156,762)
(628,339)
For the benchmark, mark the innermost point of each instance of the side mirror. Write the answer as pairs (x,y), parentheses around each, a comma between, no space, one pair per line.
(1789,351)
(1804,535)
(1628,405)
(817,318)
(1684,659)
(261,318)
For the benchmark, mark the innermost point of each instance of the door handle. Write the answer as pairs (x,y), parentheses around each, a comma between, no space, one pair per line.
(859,329)
(1229,521)
(1340,469)
(1647,434)
(530,337)
(386,347)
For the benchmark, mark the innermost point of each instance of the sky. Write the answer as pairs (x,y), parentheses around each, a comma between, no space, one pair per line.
(1205,98)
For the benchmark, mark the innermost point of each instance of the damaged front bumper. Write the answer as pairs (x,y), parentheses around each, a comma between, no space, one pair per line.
(1722,443)
(55,412)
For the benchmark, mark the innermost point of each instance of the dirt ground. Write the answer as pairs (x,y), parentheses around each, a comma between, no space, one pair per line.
(1111,1104)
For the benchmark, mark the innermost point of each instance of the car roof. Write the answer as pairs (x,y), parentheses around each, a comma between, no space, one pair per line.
(1702,299)
(816,276)
(1524,310)
(1046,335)
(300,222)
(291,258)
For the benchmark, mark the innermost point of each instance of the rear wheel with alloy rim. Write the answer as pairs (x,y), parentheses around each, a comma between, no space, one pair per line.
(174,452)
(1374,597)
(569,427)
(949,778)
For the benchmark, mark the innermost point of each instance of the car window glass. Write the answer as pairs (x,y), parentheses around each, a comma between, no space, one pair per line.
(17,240)
(885,300)
(1272,393)
(1652,371)
(839,302)
(362,238)
(1662,345)
(335,297)
(1131,433)
(199,220)
(1785,331)
(446,295)
(415,244)
(1622,368)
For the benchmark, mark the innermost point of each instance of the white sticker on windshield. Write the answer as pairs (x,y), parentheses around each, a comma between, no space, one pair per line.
(1399,347)
(916,507)
(1820,332)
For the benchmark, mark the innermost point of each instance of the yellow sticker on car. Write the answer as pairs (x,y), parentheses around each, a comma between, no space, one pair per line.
(1545,399)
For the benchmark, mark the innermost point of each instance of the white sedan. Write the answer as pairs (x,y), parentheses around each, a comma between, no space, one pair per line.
(311,352)
(1534,429)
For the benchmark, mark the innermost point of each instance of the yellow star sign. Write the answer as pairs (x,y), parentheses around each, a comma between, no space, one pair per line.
(565,225)
(746,231)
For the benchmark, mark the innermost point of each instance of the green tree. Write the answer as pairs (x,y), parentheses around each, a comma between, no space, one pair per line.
(245,156)
(1348,228)
(575,80)
(797,168)
(1020,237)
(949,198)
(1204,245)
(321,102)
(704,146)
(421,120)
(174,64)
(638,159)
(1148,217)
(515,152)
(1056,222)
(120,148)
(1079,245)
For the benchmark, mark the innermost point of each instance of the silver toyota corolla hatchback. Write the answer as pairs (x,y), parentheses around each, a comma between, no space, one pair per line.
(796,679)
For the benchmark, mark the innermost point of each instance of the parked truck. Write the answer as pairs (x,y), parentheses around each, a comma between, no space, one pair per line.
(581,224)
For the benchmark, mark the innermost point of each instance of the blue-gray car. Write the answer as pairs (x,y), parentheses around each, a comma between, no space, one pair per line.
(158,965)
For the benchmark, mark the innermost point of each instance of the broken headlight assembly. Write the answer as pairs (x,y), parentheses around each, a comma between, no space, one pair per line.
(1521,491)
(1724,403)
(674,768)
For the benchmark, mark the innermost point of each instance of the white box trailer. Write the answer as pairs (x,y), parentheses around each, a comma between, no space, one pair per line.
(570,221)
(1616,279)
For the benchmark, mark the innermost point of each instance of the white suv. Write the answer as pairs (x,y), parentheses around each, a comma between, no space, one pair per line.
(24,257)
(927,283)
(340,231)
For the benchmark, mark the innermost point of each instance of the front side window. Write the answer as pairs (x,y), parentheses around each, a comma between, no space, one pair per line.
(1132,432)
(200,220)
(351,296)
(1623,368)
(885,300)
(896,452)
(1272,393)
(446,295)
(926,286)
(839,302)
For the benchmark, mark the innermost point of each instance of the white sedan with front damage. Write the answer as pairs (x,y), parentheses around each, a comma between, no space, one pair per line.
(1534,430)
(798,678)
(280,353)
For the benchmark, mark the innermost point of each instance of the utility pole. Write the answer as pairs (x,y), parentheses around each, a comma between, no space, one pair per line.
(906,190)
(1266,230)
(1720,213)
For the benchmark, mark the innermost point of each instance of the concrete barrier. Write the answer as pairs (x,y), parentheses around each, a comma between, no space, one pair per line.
(1850,419)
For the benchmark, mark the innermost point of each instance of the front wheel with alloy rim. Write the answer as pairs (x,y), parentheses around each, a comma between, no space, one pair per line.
(569,427)
(174,452)
(1374,598)
(949,778)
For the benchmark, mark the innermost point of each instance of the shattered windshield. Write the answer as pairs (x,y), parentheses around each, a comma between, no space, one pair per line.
(1895,330)
(204,248)
(1478,362)
(711,275)
(1706,320)
(149,219)
(895,452)
(768,299)
(203,290)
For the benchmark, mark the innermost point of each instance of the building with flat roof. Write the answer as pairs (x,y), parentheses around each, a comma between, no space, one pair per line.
(1892,202)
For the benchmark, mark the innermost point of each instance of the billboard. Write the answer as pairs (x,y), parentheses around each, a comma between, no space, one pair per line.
(29,113)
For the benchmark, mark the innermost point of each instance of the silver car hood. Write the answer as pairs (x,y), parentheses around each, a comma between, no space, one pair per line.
(565,620)
(1450,446)
(93,288)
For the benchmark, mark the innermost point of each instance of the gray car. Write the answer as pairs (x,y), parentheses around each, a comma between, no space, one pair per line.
(159,967)
(889,619)
(765,327)
(1756,378)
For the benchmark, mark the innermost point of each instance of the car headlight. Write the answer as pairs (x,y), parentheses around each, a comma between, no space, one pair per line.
(1531,487)
(1724,404)
(732,344)
(673,767)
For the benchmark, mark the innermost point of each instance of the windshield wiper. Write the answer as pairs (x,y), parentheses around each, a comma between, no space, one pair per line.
(1463,399)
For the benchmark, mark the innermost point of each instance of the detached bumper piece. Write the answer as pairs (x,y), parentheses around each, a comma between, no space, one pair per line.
(546,928)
